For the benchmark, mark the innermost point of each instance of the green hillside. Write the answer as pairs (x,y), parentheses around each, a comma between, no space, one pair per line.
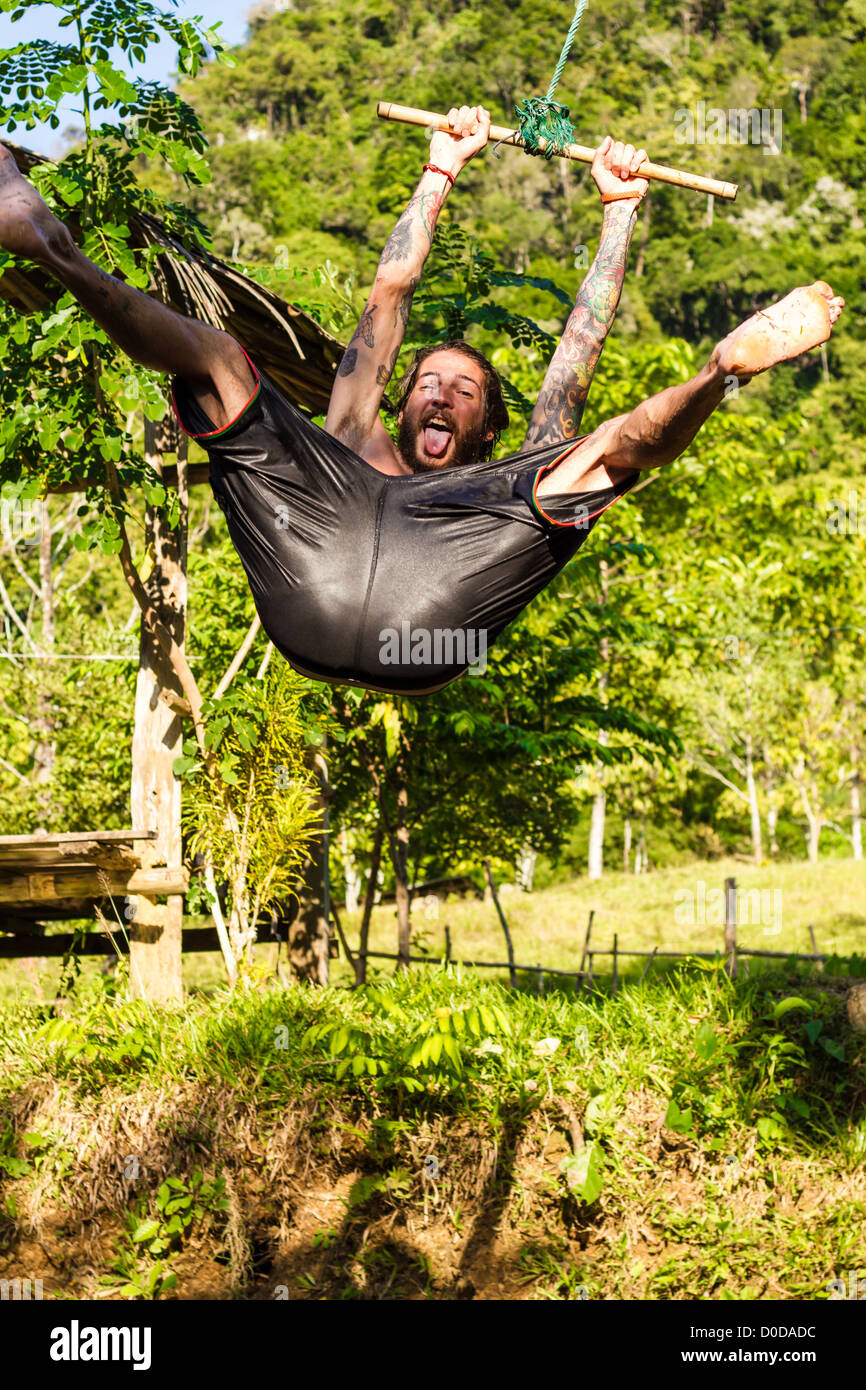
(301,160)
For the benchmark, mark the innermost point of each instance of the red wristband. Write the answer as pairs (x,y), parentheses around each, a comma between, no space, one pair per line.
(434,169)
(623,193)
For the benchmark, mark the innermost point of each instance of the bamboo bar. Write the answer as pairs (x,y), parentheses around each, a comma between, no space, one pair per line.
(411,115)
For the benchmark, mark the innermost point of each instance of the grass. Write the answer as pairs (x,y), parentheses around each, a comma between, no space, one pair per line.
(437,1136)
(548,927)
(652,910)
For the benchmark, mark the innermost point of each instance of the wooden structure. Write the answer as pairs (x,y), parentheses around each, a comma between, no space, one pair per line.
(46,878)
(50,877)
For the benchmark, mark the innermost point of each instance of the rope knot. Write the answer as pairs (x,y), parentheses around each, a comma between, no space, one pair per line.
(542,120)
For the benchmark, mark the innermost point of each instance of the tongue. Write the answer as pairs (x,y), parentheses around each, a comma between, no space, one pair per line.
(435,441)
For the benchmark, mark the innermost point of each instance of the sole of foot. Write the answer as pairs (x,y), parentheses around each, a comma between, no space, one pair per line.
(28,227)
(801,321)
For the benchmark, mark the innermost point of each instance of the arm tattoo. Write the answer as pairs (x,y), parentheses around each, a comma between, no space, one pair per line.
(562,398)
(421,206)
(364,331)
(401,312)
(384,370)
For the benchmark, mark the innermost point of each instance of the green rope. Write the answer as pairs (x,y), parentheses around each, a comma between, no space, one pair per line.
(566,49)
(541,118)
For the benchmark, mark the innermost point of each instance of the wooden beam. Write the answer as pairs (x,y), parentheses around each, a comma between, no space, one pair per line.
(83,856)
(70,837)
(83,882)
(94,943)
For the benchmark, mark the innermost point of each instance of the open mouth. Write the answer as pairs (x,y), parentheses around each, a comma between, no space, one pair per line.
(437,436)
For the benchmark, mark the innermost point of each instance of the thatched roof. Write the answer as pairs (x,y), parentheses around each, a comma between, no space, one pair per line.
(298,355)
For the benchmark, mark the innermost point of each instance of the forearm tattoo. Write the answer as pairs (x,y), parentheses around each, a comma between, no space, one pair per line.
(562,398)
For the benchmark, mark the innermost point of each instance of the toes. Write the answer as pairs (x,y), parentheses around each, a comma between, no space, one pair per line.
(823,288)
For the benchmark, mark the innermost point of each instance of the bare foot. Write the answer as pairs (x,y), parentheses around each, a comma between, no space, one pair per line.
(28,227)
(800,321)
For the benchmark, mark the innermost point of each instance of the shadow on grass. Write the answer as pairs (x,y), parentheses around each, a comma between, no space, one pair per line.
(361,1256)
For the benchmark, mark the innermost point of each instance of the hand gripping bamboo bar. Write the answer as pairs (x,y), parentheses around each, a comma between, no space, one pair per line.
(411,115)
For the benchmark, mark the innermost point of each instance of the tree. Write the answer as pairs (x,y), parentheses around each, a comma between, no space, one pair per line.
(67,421)
(250,806)
(487,765)
(736,699)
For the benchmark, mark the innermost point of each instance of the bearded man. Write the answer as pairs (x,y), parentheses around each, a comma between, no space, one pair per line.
(351,541)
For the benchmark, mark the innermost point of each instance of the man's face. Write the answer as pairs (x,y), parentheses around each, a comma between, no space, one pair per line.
(443,420)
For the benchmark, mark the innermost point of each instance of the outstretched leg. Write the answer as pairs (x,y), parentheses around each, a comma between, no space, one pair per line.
(153,335)
(658,430)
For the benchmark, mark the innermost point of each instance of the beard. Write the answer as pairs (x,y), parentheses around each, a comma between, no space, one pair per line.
(465,445)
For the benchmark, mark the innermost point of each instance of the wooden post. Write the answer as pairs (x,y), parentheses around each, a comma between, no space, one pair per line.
(347,950)
(369,899)
(401,873)
(586,941)
(447,945)
(309,933)
(155,939)
(512,975)
(615,980)
(818,963)
(731,927)
(645,970)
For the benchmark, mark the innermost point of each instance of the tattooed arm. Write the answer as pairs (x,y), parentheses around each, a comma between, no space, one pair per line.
(369,359)
(560,403)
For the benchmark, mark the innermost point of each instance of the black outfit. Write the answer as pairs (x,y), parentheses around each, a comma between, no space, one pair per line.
(354,573)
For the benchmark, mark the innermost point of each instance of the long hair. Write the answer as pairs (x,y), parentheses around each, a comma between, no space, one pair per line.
(495,410)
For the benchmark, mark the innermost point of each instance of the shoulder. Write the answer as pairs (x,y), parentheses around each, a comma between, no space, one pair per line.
(587,467)
(375,446)
(381,452)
